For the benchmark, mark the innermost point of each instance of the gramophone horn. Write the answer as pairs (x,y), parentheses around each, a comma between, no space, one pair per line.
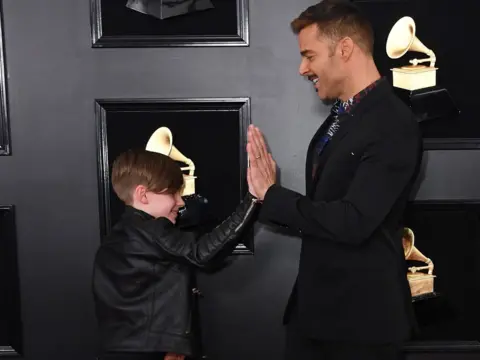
(402,39)
(161,141)
(408,241)
(412,253)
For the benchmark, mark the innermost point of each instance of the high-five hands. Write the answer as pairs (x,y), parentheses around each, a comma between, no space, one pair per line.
(262,172)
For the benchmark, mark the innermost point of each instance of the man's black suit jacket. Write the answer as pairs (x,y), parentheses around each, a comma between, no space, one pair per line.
(351,283)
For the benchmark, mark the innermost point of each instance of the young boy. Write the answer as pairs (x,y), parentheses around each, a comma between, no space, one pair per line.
(142,270)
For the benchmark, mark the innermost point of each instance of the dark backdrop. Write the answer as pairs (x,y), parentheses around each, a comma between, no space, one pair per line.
(54,76)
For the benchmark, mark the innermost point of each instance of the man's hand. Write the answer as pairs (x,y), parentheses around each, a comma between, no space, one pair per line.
(262,172)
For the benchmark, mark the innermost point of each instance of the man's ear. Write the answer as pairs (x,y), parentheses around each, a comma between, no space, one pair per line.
(345,48)
(140,194)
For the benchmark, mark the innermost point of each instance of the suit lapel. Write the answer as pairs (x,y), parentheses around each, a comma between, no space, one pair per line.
(309,161)
(346,122)
(369,100)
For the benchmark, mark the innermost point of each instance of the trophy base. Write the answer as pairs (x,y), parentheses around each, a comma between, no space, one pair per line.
(162,9)
(428,104)
(420,283)
(414,77)
(189,188)
(425,296)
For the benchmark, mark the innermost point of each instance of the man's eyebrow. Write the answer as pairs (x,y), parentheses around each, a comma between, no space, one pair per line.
(306,52)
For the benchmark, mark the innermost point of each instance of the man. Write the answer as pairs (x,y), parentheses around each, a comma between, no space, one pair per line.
(351,299)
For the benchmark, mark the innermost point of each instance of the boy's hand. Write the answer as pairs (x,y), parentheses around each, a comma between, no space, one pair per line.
(172,356)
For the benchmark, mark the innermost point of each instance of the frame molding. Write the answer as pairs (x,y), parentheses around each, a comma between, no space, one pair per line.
(14,347)
(5,147)
(99,40)
(103,106)
(451,144)
(443,346)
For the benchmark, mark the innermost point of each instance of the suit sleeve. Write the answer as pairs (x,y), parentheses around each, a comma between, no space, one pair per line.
(385,170)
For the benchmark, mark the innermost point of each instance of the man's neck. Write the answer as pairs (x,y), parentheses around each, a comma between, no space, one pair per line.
(361,77)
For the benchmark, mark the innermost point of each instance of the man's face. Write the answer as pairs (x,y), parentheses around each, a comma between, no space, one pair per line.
(321,63)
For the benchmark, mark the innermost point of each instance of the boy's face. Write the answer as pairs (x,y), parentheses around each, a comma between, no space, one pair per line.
(158,205)
(165,205)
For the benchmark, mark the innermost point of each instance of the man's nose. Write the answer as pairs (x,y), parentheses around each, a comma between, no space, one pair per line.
(303,68)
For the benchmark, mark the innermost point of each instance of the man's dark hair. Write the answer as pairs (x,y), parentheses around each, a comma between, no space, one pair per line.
(337,19)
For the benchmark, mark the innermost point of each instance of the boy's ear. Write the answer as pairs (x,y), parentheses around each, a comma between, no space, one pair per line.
(140,194)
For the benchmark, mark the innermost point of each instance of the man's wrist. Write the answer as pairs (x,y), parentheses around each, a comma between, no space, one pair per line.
(264,193)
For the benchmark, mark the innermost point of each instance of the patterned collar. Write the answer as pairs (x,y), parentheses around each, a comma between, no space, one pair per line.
(340,107)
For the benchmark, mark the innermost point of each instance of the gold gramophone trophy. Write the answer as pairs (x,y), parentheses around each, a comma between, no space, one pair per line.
(402,39)
(416,83)
(161,141)
(421,283)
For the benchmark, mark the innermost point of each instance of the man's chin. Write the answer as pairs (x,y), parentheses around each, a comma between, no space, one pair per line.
(327,101)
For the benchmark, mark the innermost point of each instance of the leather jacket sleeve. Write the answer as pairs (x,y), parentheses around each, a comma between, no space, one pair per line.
(200,250)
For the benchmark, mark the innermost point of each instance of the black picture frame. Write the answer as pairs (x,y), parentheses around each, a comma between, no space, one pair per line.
(11,340)
(447,230)
(5,147)
(225,25)
(451,144)
(456,130)
(216,126)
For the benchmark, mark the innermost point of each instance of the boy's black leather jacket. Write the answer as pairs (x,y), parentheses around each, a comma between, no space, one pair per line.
(142,283)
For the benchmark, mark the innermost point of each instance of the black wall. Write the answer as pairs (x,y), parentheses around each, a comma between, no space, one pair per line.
(51,177)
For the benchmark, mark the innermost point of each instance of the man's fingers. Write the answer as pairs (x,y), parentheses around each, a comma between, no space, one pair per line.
(254,150)
(254,155)
(257,142)
(251,155)
(263,152)
(262,144)
(251,188)
(271,164)
(260,150)
(253,138)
